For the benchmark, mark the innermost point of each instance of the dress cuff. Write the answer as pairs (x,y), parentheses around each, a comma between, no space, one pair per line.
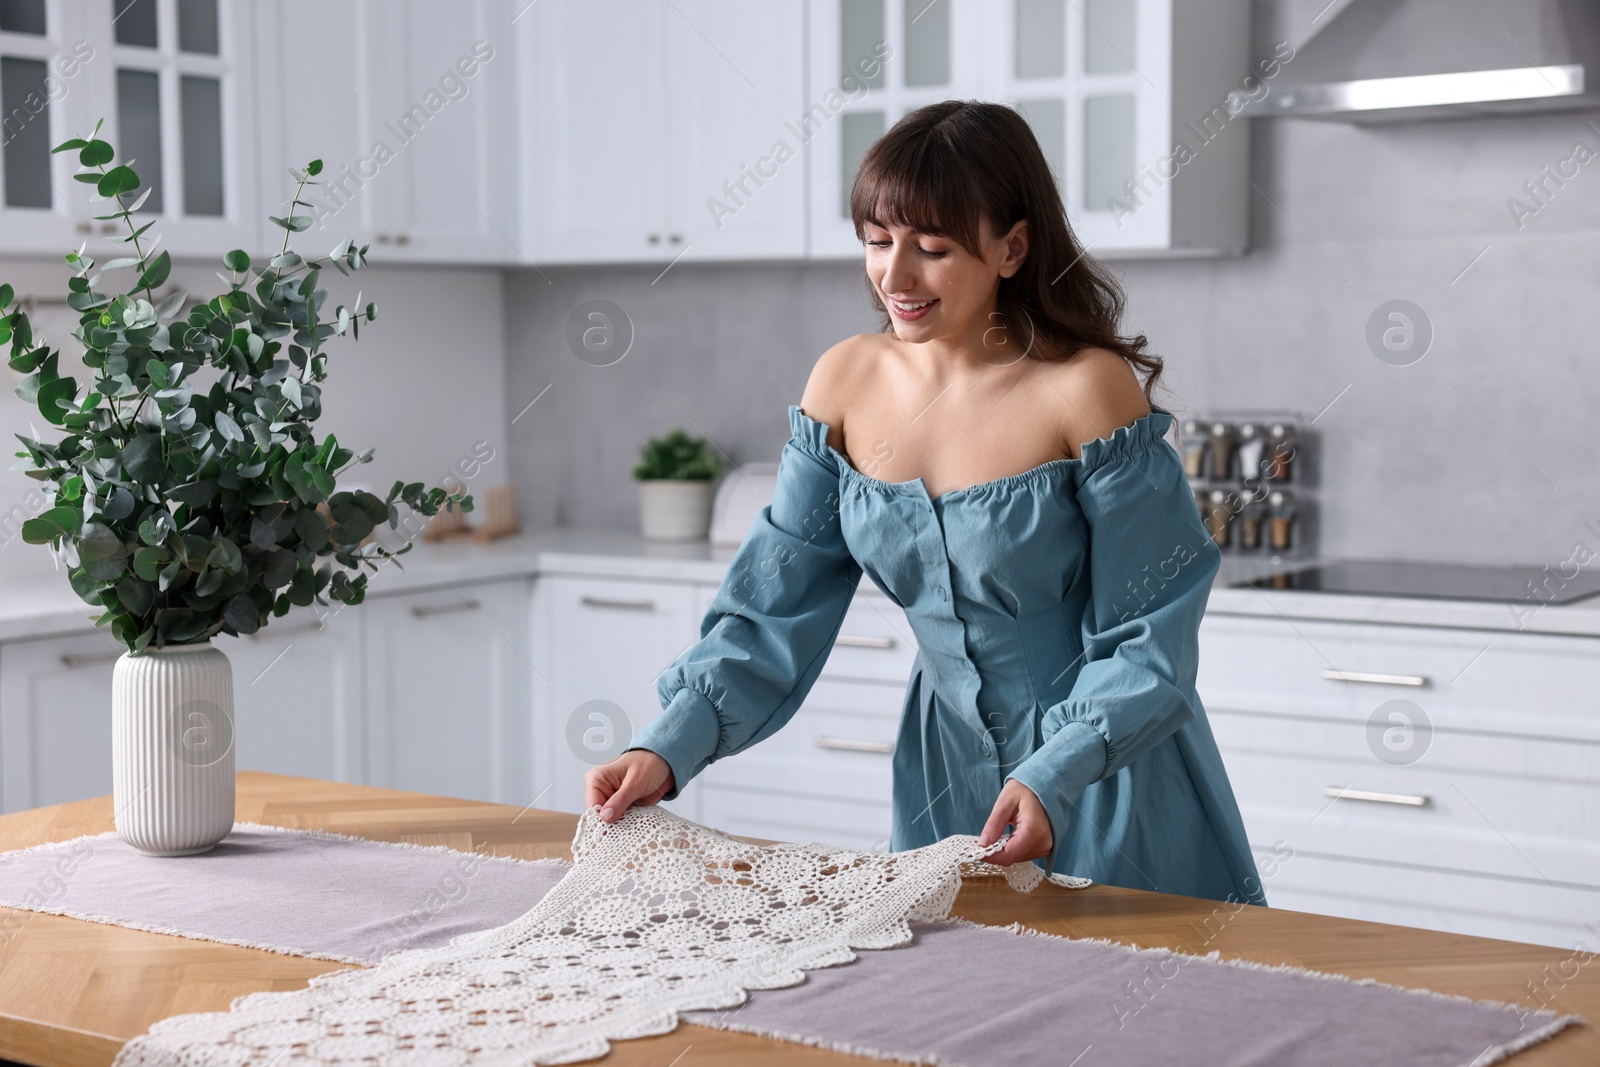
(685,734)
(1073,758)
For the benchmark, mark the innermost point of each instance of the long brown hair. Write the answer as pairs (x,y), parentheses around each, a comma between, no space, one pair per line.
(946,169)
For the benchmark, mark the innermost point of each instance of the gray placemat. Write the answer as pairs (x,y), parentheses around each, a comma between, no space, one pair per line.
(957,994)
(997,997)
(303,892)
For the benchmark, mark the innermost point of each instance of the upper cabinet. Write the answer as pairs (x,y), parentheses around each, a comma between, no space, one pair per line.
(663,130)
(595,131)
(409,105)
(1141,136)
(174,82)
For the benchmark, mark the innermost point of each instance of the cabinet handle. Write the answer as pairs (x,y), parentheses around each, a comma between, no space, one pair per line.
(382,238)
(278,633)
(654,238)
(1375,679)
(863,641)
(640,604)
(676,238)
(73,660)
(428,611)
(402,238)
(1405,800)
(848,744)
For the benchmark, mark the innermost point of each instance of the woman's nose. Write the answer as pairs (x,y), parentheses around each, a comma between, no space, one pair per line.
(899,275)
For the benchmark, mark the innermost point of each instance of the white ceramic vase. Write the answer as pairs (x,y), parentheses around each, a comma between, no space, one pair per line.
(172,749)
(672,509)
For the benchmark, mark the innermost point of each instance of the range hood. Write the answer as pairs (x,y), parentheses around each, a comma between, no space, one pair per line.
(1407,60)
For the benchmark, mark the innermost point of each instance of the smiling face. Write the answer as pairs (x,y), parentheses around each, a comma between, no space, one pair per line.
(933,287)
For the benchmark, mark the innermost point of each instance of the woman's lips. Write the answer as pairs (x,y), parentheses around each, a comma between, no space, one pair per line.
(911,310)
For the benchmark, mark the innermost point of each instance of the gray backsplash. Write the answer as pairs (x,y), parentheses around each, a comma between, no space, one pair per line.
(1486,450)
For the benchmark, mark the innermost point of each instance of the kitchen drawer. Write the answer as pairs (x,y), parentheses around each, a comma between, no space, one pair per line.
(839,744)
(1528,684)
(1533,912)
(1494,805)
(798,817)
(875,642)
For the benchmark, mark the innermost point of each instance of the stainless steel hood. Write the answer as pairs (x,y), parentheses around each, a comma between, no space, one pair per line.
(1409,60)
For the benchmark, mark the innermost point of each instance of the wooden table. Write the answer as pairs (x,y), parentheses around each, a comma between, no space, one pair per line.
(71,992)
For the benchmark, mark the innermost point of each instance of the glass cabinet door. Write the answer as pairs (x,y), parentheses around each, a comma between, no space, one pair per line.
(174,94)
(871,62)
(43,60)
(1093,78)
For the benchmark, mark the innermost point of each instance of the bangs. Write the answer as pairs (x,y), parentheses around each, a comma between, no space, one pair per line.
(915,178)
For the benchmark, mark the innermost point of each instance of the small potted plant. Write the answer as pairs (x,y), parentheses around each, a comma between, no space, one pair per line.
(675,476)
(190,496)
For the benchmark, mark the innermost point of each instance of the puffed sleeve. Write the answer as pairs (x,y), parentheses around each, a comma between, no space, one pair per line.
(769,629)
(1150,566)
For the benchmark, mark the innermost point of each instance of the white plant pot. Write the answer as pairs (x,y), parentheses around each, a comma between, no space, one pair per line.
(172,749)
(673,509)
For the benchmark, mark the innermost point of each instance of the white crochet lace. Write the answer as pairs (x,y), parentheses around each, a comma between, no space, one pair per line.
(657,915)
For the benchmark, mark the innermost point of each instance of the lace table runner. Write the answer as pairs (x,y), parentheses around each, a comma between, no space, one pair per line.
(657,915)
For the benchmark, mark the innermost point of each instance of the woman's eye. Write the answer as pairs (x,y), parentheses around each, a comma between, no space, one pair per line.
(879,244)
(932,253)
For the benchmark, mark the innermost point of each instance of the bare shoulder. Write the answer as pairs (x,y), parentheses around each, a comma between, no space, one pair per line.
(840,373)
(1099,392)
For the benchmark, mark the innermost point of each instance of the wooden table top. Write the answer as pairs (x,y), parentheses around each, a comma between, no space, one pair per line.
(72,992)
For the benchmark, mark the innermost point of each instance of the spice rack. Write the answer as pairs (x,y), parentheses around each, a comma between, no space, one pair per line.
(1253,474)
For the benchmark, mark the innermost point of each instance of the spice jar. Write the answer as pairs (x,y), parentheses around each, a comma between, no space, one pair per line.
(1252,443)
(1280,464)
(1280,521)
(1194,450)
(1221,450)
(1251,518)
(1223,506)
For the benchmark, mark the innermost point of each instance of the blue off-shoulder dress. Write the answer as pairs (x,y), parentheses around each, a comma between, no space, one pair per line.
(1056,614)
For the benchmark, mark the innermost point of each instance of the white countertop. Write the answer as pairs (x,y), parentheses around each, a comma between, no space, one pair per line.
(45,606)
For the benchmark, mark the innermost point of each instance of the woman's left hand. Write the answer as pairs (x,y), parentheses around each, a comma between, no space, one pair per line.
(1020,808)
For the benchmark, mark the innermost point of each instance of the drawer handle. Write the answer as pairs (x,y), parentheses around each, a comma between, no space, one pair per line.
(643,603)
(280,632)
(1405,800)
(864,641)
(73,660)
(1375,679)
(426,611)
(850,744)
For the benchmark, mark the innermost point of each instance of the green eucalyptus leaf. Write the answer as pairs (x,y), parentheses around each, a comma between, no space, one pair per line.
(137,597)
(142,459)
(94,153)
(53,398)
(54,523)
(116,181)
(156,273)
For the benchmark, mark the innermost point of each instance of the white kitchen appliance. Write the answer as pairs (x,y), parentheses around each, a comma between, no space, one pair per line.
(741,495)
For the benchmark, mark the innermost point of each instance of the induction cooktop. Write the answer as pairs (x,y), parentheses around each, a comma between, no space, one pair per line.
(1448,581)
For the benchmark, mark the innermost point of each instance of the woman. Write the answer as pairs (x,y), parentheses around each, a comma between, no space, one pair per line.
(993,463)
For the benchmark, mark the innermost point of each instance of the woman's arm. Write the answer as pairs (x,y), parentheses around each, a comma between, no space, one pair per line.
(1150,569)
(765,636)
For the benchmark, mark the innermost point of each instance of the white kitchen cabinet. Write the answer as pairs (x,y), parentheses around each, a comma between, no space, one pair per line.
(175,83)
(1107,94)
(44,56)
(297,695)
(409,107)
(55,719)
(661,130)
(608,640)
(1420,775)
(447,690)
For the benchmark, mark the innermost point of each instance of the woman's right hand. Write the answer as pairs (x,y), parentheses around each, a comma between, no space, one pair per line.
(638,776)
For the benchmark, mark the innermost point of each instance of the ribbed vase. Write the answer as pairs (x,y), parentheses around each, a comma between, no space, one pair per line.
(172,749)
